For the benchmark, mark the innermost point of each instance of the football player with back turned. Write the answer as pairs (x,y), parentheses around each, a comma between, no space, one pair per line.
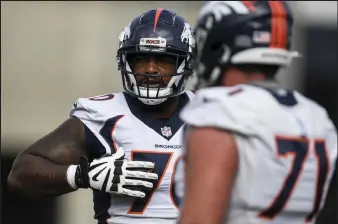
(256,153)
(112,141)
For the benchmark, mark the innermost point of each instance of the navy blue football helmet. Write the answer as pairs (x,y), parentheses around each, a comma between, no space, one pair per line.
(157,31)
(241,32)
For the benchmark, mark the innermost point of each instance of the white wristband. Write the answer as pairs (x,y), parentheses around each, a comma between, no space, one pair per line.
(71,176)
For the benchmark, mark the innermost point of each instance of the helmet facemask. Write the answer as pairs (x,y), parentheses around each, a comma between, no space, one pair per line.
(133,83)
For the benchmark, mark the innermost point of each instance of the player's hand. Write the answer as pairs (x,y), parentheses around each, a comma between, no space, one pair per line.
(114,175)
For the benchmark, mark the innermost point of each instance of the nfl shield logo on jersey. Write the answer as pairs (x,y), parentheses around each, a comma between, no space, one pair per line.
(166,131)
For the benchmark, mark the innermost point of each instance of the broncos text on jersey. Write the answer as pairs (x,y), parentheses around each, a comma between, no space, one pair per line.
(115,120)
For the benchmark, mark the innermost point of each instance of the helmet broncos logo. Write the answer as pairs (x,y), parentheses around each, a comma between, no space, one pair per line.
(186,36)
(124,35)
(214,12)
(218,9)
(127,31)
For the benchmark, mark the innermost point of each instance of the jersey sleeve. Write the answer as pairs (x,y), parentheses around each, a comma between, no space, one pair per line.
(88,112)
(218,108)
(331,138)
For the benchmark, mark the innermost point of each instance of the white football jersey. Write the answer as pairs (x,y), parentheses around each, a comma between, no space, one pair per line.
(287,149)
(116,120)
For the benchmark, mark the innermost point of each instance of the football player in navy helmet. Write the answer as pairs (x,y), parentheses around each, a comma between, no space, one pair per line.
(255,152)
(167,40)
(111,142)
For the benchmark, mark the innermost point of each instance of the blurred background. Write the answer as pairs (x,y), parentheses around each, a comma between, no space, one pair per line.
(55,52)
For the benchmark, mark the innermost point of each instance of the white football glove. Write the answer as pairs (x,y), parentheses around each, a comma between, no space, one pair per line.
(114,175)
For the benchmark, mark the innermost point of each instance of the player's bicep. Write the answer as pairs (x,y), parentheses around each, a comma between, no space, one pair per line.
(211,168)
(63,146)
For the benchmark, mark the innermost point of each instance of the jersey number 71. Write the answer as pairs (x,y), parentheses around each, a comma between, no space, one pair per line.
(299,148)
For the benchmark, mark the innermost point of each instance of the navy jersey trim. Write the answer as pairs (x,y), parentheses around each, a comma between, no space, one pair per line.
(107,130)
(102,202)
(174,122)
(287,98)
(94,147)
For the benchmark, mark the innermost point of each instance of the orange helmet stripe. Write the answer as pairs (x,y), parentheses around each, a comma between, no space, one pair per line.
(157,16)
(278,25)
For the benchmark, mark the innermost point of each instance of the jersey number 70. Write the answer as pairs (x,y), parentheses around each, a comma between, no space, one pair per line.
(162,161)
(299,148)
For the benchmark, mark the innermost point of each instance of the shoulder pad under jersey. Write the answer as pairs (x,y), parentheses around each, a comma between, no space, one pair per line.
(95,111)
(231,108)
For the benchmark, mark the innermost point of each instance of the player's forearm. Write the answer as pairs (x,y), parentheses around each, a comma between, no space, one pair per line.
(197,212)
(35,176)
(192,219)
